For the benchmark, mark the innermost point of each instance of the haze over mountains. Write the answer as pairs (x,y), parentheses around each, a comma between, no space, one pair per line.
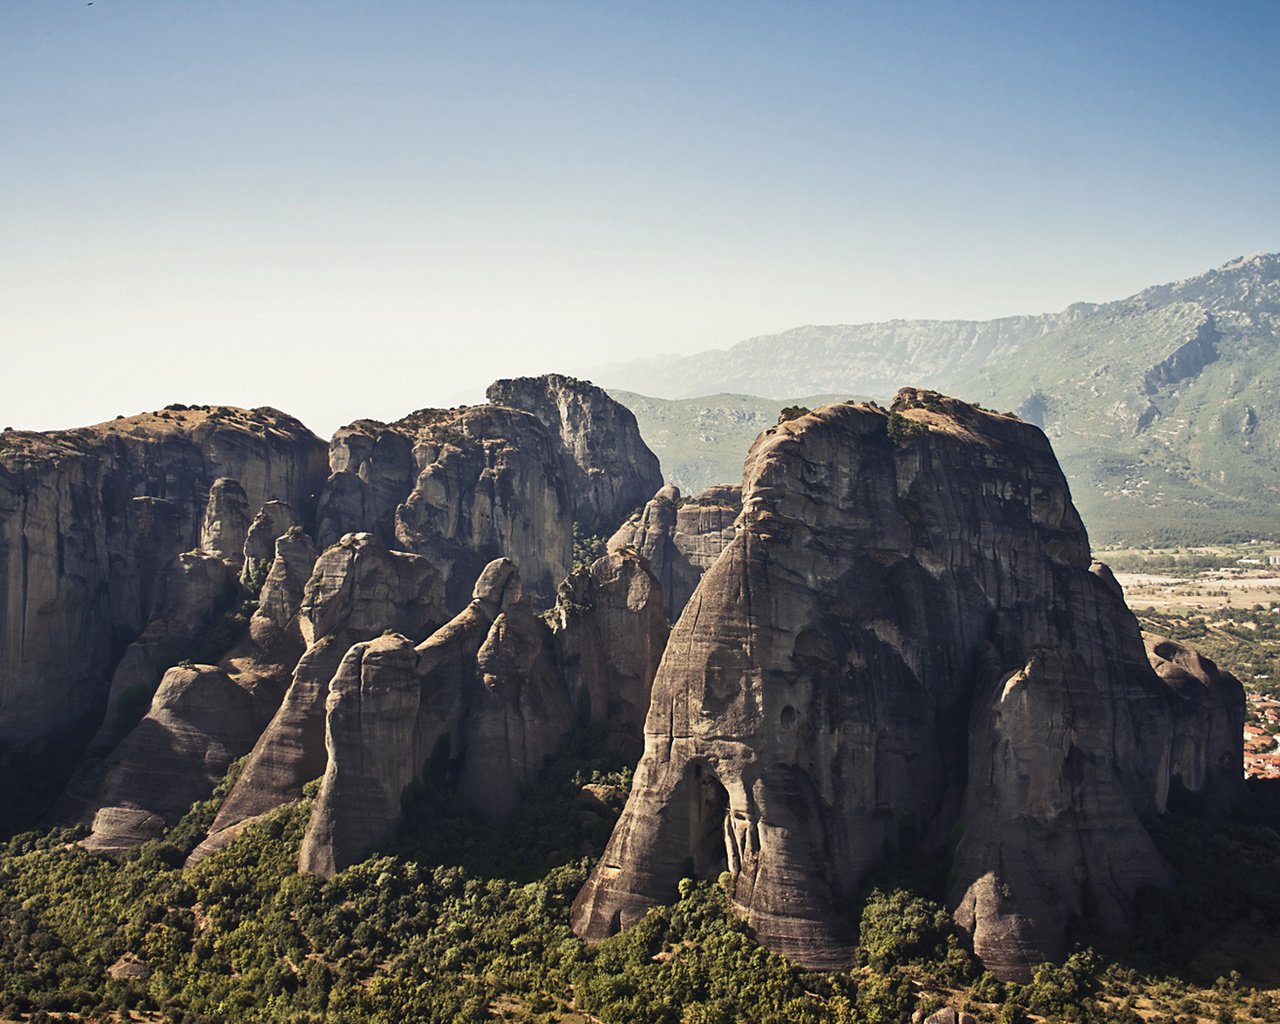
(1162,406)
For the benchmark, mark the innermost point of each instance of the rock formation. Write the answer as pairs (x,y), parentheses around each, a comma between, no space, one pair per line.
(902,646)
(480,697)
(464,486)
(226,522)
(681,538)
(90,520)
(199,720)
(272,522)
(1208,721)
(611,628)
(611,470)
(357,590)
(483,702)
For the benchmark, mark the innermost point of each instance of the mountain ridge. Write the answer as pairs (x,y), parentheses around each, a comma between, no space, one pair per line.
(1164,407)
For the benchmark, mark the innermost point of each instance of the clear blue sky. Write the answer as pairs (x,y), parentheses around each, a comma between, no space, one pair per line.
(349,209)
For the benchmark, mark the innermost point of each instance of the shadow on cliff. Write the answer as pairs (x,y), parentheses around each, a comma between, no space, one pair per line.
(568,815)
(1223,915)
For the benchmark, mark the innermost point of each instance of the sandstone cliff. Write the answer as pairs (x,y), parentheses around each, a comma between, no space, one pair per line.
(681,538)
(90,520)
(1208,721)
(903,644)
(357,590)
(480,698)
(611,470)
(200,718)
(464,486)
(610,627)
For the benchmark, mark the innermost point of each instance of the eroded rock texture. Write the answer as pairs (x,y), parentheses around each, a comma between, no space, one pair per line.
(681,538)
(1208,721)
(200,718)
(357,591)
(903,645)
(90,520)
(611,470)
(464,486)
(479,700)
(611,628)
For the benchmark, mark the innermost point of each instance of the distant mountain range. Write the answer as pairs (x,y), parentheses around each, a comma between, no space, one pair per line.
(1163,407)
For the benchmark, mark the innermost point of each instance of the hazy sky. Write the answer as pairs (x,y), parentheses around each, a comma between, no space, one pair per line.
(347,209)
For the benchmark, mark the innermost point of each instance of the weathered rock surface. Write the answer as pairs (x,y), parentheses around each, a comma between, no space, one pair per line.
(200,719)
(197,586)
(611,470)
(681,539)
(480,699)
(371,715)
(357,590)
(464,486)
(226,522)
(1208,721)
(273,521)
(199,722)
(903,642)
(89,521)
(610,627)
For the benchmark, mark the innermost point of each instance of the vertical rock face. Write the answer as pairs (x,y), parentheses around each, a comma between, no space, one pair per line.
(200,718)
(226,522)
(273,521)
(681,539)
(371,712)
(491,483)
(89,521)
(1208,721)
(480,698)
(199,722)
(197,586)
(902,644)
(611,627)
(464,486)
(357,590)
(611,470)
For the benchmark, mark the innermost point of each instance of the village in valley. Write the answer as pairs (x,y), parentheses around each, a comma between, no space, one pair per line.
(1225,600)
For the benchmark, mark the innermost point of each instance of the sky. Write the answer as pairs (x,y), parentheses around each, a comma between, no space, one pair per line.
(347,210)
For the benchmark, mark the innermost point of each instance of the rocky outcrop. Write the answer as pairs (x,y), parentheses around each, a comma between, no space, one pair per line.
(272,522)
(492,483)
(357,590)
(480,700)
(464,486)
(226,522)
(90,519)
(610,626)
(199,722)
(611,470)
(681,538)
(370,721)
(197,587)
(903,646)
(199,719)
(1208,722)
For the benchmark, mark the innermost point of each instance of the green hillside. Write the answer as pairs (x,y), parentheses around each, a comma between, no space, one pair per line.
(1164,408)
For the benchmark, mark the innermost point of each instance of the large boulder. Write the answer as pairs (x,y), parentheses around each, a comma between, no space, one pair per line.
(902,647)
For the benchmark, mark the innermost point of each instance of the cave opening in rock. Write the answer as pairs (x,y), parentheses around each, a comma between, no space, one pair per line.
(708,803)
